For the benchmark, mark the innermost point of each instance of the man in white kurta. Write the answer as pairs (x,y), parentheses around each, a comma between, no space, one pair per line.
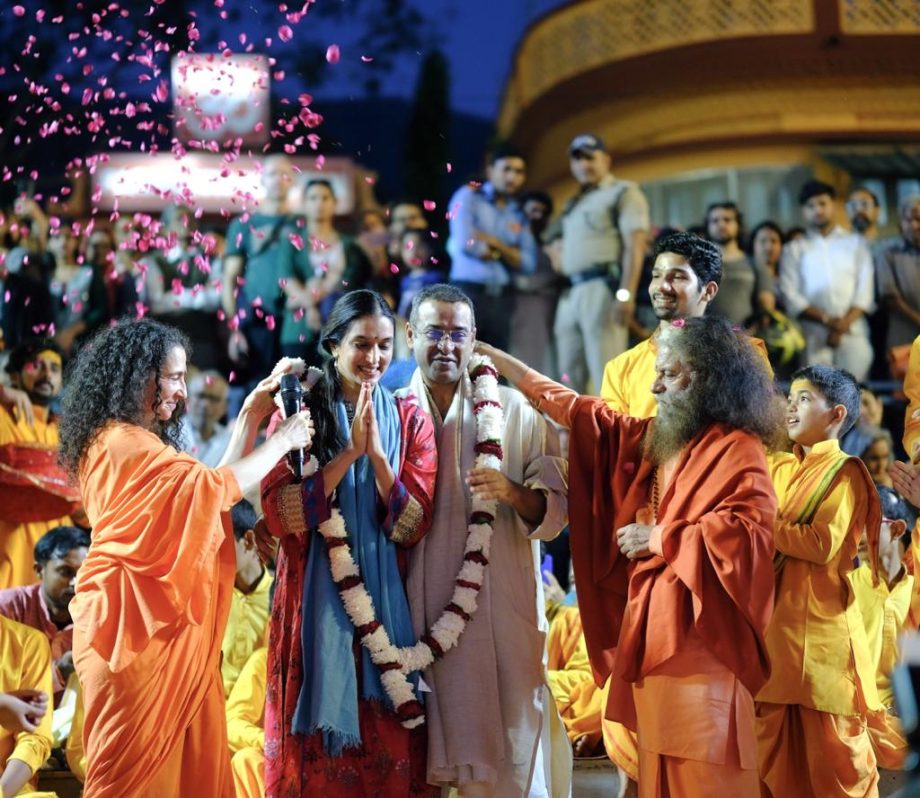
(493,729)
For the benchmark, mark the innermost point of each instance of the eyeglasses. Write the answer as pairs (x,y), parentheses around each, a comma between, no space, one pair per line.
(435,336)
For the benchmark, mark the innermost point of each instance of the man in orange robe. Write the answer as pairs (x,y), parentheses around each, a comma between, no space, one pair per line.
(675,607)
(34,491)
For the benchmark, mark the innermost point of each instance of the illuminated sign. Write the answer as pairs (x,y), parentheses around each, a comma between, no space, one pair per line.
(221,98)
(131,182)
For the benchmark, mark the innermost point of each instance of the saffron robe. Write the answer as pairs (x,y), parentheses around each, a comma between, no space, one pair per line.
(246,727)
(247,629)
(709,593)
(628,378)
(151,604)
(627,389)
(47,504)
(817,637)
(25,664)
(26,604)
(912,391)
(571,681)
(490,714)
(885,610)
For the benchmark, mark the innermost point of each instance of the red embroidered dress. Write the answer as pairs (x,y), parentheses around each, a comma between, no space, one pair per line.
(391,760)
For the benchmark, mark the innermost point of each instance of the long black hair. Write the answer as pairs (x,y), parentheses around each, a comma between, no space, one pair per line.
(108,381)
(328,439)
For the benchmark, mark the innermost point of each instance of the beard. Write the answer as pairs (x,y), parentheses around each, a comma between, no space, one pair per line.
(680,419)
(861,222)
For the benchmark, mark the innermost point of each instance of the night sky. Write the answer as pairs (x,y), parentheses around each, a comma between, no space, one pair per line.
(477,36)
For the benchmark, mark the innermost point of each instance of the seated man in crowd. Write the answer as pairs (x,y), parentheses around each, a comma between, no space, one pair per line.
(247,626)
(45,605)
(204,437)
(34,491)
(25,722)
(246,727)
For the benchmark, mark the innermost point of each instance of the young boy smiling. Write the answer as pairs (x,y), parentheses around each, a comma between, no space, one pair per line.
(811,714)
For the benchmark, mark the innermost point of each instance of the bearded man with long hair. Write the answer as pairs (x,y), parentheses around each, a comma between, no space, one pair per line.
(671,529)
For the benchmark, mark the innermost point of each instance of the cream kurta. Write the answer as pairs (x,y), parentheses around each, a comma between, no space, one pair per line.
(489,703)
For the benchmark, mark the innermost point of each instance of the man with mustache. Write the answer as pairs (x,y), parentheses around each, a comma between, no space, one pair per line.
(671,529)
(685,280)
(490,716)
(46,605)
(34,491)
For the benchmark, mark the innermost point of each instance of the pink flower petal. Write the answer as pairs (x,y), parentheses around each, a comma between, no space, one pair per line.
(285,33)
(332,54)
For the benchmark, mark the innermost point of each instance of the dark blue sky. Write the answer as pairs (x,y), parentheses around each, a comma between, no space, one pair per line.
(478,37)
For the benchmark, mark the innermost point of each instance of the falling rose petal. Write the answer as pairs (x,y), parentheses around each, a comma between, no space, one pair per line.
(270,322)
(87,96)
(162,92)
(19,11)
(232,377)
(429,205)
(332,54)
(285,33)
(366,59)
(40,15)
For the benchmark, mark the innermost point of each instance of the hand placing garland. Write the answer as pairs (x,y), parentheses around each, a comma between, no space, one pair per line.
(395,664)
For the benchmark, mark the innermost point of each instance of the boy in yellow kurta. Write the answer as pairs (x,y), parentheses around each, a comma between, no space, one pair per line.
(34,491)
(811,714)
(246,727)
(25,665)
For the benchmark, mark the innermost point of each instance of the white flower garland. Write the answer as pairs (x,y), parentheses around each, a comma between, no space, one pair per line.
(395,664)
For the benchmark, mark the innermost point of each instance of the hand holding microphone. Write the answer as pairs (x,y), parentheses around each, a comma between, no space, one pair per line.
(291,402)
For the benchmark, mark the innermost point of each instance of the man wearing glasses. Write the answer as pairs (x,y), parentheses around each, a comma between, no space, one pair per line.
(489,713)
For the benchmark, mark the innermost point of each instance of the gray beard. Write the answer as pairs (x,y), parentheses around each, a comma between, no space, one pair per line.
(680,419)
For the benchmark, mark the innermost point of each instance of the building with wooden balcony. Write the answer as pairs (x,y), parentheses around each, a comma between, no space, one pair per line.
(703,100)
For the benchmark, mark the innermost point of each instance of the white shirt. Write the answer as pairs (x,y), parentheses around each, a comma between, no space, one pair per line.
(832,272)
(210,451)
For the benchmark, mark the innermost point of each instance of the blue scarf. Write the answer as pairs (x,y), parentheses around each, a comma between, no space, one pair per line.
(328,700)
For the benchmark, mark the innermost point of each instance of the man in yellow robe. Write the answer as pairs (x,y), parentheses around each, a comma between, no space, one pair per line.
(247,625)
(812,713)
(680,289)
(34,490)
(25,732)
(246,727)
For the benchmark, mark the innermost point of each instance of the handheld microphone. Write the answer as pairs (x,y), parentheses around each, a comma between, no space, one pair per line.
(291,398)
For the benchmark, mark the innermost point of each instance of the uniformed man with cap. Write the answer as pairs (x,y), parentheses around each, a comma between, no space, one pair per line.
(604,230)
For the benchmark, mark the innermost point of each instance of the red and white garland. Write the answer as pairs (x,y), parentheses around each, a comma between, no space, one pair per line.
(395,664)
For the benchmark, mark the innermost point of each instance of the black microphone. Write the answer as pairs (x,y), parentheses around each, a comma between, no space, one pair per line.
(291,397)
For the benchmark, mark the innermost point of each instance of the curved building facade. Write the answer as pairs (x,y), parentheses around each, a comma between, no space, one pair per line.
(700,100)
